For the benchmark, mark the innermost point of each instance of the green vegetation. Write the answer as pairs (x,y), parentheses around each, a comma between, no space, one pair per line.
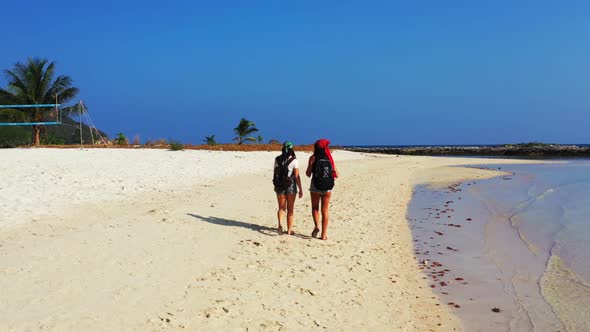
(176,145)
(33,83)
(528,145)
(66,133)
(210,140)
(51,139)
(11,137)
(120,139)
(259,139)
(245,128)
(69,131)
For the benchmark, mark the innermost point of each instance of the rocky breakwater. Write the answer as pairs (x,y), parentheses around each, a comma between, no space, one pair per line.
(525,150)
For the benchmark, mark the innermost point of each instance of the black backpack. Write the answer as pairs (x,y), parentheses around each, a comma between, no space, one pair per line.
(281,178)
(323,174)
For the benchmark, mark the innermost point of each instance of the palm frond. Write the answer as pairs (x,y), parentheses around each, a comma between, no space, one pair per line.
(62,87)
(46,77)
(6,97)
(251,130)
(67,95)
(20,70)
(16,84)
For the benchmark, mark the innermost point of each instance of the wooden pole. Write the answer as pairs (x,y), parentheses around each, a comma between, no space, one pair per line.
(80,107)
(57,116)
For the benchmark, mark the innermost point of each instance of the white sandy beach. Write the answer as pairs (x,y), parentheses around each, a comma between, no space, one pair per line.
(154,240)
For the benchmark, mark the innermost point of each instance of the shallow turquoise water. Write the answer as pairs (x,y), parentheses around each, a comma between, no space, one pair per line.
(526,248)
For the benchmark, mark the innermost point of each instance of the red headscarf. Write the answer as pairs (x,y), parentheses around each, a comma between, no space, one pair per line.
(323,144)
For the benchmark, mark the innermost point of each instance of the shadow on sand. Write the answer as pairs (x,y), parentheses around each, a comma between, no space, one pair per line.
(235,223)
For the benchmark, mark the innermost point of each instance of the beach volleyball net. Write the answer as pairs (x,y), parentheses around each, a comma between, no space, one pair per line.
(30,115)
(68,124)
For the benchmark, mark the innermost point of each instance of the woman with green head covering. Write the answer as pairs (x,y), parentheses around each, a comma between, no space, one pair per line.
(287,184)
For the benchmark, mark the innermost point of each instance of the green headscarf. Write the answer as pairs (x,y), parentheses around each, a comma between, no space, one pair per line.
(287,146)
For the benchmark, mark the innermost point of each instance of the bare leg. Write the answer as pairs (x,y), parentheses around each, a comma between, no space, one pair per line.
(290,206)
(325,214)
(315,212)
(282,201)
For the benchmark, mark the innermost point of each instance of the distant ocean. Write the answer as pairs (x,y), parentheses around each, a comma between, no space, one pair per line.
(519,243)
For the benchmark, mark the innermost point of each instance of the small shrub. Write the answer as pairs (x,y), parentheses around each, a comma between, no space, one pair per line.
(121,139)
(51,139)
(176,145)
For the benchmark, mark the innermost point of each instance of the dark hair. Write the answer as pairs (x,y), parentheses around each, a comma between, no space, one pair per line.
(288,153)
(318,151)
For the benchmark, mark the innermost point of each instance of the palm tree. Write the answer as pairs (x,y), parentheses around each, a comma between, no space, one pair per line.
(9,114)
(34,83)
(259,139)
(245,128)
(210,140)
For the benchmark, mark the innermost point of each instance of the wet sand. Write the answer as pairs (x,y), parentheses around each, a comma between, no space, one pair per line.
(492,249)
(461,247)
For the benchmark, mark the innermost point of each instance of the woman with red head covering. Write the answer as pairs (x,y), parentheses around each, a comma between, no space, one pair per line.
(323,171)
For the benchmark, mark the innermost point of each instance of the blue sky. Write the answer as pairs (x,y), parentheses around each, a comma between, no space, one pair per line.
(362,72)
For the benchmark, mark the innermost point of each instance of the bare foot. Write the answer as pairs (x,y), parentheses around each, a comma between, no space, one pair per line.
(315,232)
(280,230)
(290,232)
(324,238)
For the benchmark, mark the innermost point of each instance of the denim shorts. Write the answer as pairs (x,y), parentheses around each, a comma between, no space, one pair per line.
(291,190)
(313,189)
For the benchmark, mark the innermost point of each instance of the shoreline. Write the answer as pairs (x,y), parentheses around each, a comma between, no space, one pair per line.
(452,234)
(533,151)
(501,247)
(206,255)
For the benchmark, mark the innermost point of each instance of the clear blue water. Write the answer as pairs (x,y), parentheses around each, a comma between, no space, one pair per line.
(525,249)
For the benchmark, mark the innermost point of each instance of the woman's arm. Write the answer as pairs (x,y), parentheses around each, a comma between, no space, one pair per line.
(309,166)
(296,172)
